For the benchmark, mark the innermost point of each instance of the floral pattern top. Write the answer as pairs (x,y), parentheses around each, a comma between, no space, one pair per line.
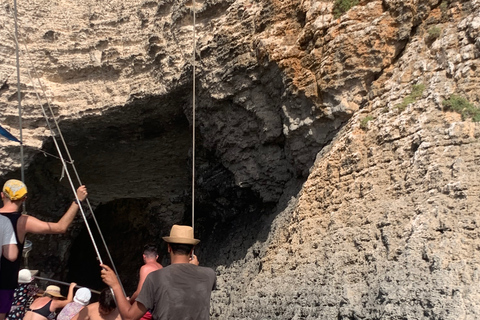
(22,299)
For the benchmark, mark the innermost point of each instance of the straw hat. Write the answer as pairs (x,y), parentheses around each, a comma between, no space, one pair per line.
(24,276)
(53,291)
(182,235)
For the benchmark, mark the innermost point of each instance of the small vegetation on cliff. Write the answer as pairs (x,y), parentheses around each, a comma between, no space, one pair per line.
(417,92)
(444,9)
(342,6)
(434,32)
(462,106)
(364,122)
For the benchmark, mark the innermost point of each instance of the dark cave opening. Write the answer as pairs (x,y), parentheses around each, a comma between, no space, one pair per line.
(136,166)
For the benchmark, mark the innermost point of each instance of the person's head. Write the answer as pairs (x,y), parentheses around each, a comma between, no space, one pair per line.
(14,190)
(106,302)
(181,249)
(150,251)
(181,240)
(53,292)
(24,276)
(82,296)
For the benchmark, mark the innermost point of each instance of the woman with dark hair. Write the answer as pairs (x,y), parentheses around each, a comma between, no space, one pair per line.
(44,308)
(104,309)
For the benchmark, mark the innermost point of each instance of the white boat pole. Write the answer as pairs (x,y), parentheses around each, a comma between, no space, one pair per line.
(65,283)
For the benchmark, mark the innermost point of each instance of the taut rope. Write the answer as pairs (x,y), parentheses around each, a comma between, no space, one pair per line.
(62,159)
(193,115)
(19,95)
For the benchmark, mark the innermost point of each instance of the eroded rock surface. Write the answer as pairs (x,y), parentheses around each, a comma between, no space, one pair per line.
(323,192)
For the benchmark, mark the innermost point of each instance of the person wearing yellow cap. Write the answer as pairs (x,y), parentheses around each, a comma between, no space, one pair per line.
(14,194)
(181,290)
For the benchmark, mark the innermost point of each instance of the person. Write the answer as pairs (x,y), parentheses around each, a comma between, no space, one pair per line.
(14,194)
(23,295)
(8,242)
(104,309)
(44,308)
(80,300)
(150,257)
(181,290)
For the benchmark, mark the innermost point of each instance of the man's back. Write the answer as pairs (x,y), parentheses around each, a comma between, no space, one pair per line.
(179,291)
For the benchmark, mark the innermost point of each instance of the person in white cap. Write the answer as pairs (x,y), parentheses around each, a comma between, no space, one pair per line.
(181,290)
(104,309)
(80,300)
(23,295)
(44,308)
(14,194)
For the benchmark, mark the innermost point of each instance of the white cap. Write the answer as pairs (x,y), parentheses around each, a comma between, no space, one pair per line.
(82,296)
(24,276)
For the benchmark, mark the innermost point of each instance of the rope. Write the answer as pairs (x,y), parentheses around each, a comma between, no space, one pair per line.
(193,116)
(61,158)
(19,95)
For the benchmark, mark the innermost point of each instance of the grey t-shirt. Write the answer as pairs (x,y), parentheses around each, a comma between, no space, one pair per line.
(178,292)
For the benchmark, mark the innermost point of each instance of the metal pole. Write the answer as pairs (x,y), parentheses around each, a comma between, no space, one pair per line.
(65,283)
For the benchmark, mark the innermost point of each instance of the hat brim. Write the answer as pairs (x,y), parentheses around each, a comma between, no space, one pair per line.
(25,281)
(181,240)
(54,294)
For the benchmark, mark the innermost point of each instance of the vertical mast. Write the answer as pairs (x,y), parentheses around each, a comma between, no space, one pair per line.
(193,115)
(19,94)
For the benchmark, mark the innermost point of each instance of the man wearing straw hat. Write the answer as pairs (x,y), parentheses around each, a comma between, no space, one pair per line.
(179,291)
(14,194)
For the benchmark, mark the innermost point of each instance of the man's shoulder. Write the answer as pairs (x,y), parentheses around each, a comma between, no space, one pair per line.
(149,268)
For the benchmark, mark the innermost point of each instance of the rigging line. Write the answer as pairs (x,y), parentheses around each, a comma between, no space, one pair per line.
(71,161)
(193,115)
(19,95)
(77,176)
(45,153)
(73,166)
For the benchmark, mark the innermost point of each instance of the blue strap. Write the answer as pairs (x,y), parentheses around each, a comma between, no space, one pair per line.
(8,135)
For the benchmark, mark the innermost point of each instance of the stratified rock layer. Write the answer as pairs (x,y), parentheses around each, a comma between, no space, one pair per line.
(385,225)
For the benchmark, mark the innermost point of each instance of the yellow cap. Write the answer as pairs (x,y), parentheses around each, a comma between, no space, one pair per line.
(14,189)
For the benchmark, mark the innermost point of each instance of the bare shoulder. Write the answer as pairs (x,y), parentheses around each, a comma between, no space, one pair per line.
(149,267)
(118,317)
(92,311)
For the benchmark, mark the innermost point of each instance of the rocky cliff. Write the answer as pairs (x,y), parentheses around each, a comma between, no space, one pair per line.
(336,151)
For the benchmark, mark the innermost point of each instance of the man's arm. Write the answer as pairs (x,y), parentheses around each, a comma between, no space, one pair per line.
(58,304)
(10,251)
(34,225)
(128,311)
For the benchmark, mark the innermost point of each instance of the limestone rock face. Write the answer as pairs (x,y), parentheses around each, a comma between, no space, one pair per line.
(331,180)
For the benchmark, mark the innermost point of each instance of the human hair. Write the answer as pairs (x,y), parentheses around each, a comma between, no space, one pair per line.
(48,295)
(180,248)
(150,250)
(106,300)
